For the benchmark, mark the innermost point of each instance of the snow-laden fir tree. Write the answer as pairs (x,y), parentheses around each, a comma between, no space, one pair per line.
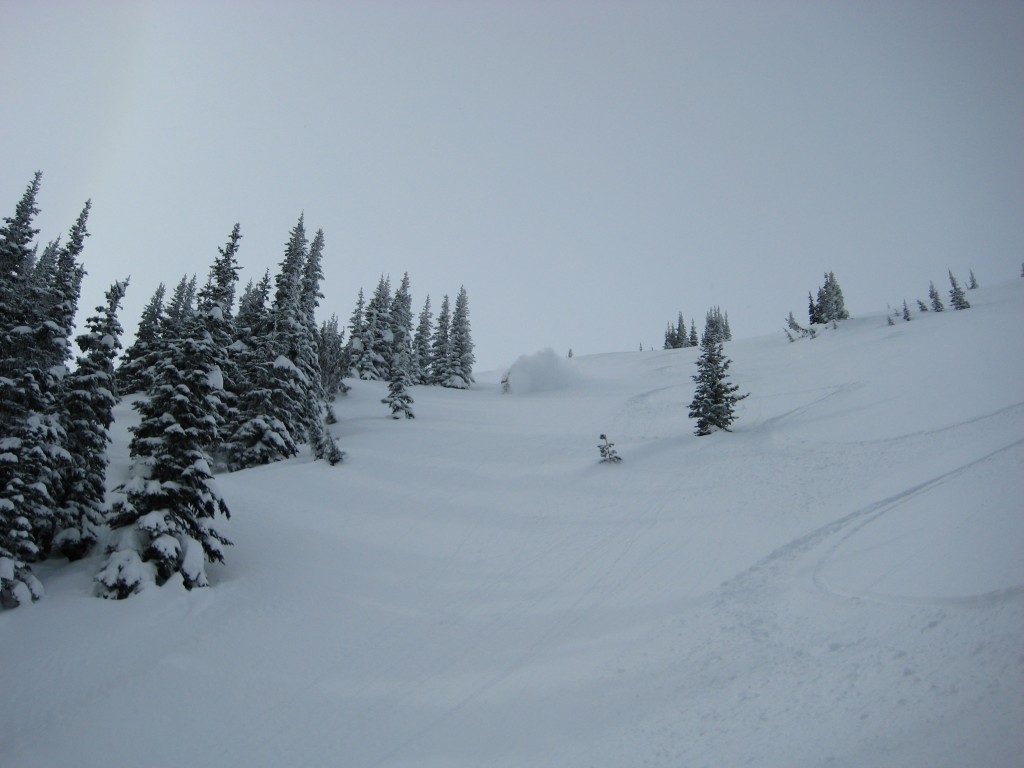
(215,308)
(830,306)
(163,320)
(37,303)
(260,437)
(89,397)
(715,397)
(676,336)
(440,345)
(372,361)
(289,343)
(398,399)
(165,525)
(972,281)
(956,294)
(400,321)
(307,345)
(681,336)
(66,289)
(134,372)
(460,348)
(356,326)
(17,541)
(251,319)
(421,346)
(273,411)
(933,294)
(328,448)
(249,353)
(220,288)
(716,325)
(921,306)
(179,309)
(906,311)
(333,360)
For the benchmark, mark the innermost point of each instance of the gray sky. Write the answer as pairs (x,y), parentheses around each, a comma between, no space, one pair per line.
(585,169)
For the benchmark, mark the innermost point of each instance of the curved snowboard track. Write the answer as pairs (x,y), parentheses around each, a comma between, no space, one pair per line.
(877,680)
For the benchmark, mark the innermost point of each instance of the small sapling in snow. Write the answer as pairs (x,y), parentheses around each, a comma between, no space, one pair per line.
(607,449)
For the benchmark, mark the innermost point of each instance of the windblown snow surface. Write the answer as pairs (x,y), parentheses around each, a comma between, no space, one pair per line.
(839,582)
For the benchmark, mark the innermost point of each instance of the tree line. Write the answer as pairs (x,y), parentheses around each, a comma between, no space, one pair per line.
(225,385)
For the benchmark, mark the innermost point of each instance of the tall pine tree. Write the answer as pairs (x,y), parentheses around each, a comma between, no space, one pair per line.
(460,373)
(90,397)
(166,523)
(274,412)
(715,396)
(956,294)
(421,346)
(134,372)
(440,346)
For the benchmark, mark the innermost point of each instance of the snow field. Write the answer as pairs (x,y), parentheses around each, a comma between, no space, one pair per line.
(838,582)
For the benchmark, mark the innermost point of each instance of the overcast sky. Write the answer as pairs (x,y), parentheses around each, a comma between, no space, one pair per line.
(585,169)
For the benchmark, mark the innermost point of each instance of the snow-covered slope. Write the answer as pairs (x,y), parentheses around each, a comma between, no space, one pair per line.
(838,582)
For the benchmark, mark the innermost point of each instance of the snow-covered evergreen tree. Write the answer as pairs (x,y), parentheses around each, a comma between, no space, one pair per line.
(716,325)
(328,449)
(906,311)
(933,294)
(956,294)
(715,397)
(333,360)
(65,291)
(972,281)
(307,344)
(400,319)
(421,346)
(813,315)
(676,336)
(356,327)
(28,430)
(398,399)
(460,348)
(89,396)
(165,524)
(17,234)
(215,310)
(373,359)
(261,437)
(179,309)
(134,374)
(440,345)
(275,411)
(830,306)
(693,341)
(220,288)
(37,303)
(251,319)
(288,339)
(921,306)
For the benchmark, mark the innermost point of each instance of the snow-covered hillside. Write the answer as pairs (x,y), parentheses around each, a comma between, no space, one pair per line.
(839,582)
